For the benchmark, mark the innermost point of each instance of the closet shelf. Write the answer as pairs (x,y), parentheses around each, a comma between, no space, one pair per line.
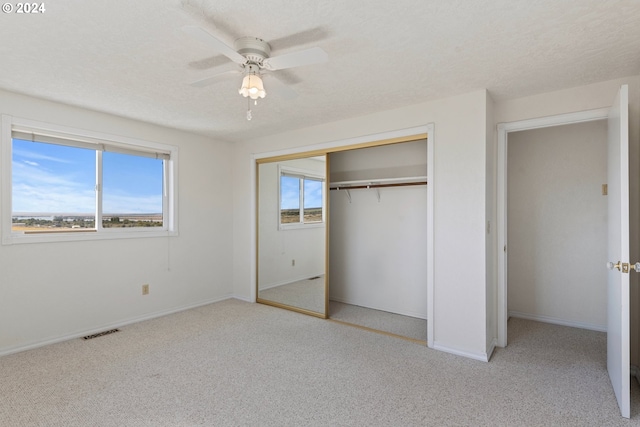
(376,184)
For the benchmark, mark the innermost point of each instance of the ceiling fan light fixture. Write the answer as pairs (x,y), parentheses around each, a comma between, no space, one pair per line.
(252,87)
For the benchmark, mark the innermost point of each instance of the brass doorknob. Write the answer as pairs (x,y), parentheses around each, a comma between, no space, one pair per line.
(624,267)
(611,265)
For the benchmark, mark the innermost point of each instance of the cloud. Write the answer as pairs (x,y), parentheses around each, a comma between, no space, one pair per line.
(130,203)
(26,172)
(71,190)
(28,198)
(37,156)
(289,193)
(75,199)
(312,194)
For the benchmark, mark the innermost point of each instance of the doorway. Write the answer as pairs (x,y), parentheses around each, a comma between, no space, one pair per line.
(618,302)
(557,220)
(504,130)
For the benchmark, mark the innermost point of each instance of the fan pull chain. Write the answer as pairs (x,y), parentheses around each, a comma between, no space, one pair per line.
(248,109)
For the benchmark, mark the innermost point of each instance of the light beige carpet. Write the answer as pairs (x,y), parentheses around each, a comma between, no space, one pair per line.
(239,364)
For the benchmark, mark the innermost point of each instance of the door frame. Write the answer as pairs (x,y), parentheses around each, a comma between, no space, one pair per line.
(503,130)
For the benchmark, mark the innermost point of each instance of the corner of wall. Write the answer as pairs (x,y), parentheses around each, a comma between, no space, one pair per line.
(490,222)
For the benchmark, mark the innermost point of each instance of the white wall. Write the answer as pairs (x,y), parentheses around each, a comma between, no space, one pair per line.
(387,161)
(378,249)
(51,301)
(491,238)
(599,95)
(459,207)
(557,223)
(51,291)
(277,248)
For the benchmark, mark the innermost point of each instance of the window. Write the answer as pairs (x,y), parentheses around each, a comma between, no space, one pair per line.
(64,184)
(132,190)
(301,199)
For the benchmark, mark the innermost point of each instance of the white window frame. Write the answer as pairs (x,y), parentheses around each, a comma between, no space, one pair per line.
(300,173)
(98,141)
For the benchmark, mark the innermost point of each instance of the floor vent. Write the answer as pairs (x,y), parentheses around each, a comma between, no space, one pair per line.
(100,334)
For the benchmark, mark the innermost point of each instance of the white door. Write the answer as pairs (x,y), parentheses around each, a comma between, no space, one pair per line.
(618,252)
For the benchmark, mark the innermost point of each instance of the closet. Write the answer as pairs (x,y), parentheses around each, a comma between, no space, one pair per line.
(377,238)
(557,210)
(360,253)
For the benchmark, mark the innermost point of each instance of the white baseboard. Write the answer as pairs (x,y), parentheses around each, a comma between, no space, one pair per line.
(483,357)
(556,321)
(242,298)
(41,343)
(387,309)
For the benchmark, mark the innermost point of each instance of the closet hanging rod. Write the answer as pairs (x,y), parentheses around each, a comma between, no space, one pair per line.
(369,183)
(372,185)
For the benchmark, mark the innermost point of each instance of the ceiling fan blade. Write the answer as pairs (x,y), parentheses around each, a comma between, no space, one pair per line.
(215,79)
(315,55)
(218,45)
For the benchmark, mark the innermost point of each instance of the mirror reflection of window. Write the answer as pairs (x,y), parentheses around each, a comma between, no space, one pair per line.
(312,196)
(301,196)
(292,234)
(289,199)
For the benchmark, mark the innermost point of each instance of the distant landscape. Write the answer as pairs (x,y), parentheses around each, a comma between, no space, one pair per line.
(43,222)
(289,216)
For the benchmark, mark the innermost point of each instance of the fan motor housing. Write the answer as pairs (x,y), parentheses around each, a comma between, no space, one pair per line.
(254,49)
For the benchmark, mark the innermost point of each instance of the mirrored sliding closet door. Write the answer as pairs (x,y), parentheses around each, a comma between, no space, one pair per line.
(291,256)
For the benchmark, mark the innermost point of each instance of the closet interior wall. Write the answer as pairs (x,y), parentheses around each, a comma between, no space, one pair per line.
(378,236)
(557,217)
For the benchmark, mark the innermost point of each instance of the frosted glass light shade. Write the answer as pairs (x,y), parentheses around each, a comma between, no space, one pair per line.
(252,87)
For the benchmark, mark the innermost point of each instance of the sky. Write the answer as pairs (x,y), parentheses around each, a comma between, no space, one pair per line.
(290,190)
(59,179)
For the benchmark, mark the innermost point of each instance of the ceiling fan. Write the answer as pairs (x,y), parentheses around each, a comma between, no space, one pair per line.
(252,55)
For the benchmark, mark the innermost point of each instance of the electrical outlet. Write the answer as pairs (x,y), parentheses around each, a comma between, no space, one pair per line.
(145,289)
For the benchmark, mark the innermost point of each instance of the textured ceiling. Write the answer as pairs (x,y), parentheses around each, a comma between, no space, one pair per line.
(131,58)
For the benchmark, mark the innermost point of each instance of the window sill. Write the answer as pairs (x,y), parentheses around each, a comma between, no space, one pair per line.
(298,226)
